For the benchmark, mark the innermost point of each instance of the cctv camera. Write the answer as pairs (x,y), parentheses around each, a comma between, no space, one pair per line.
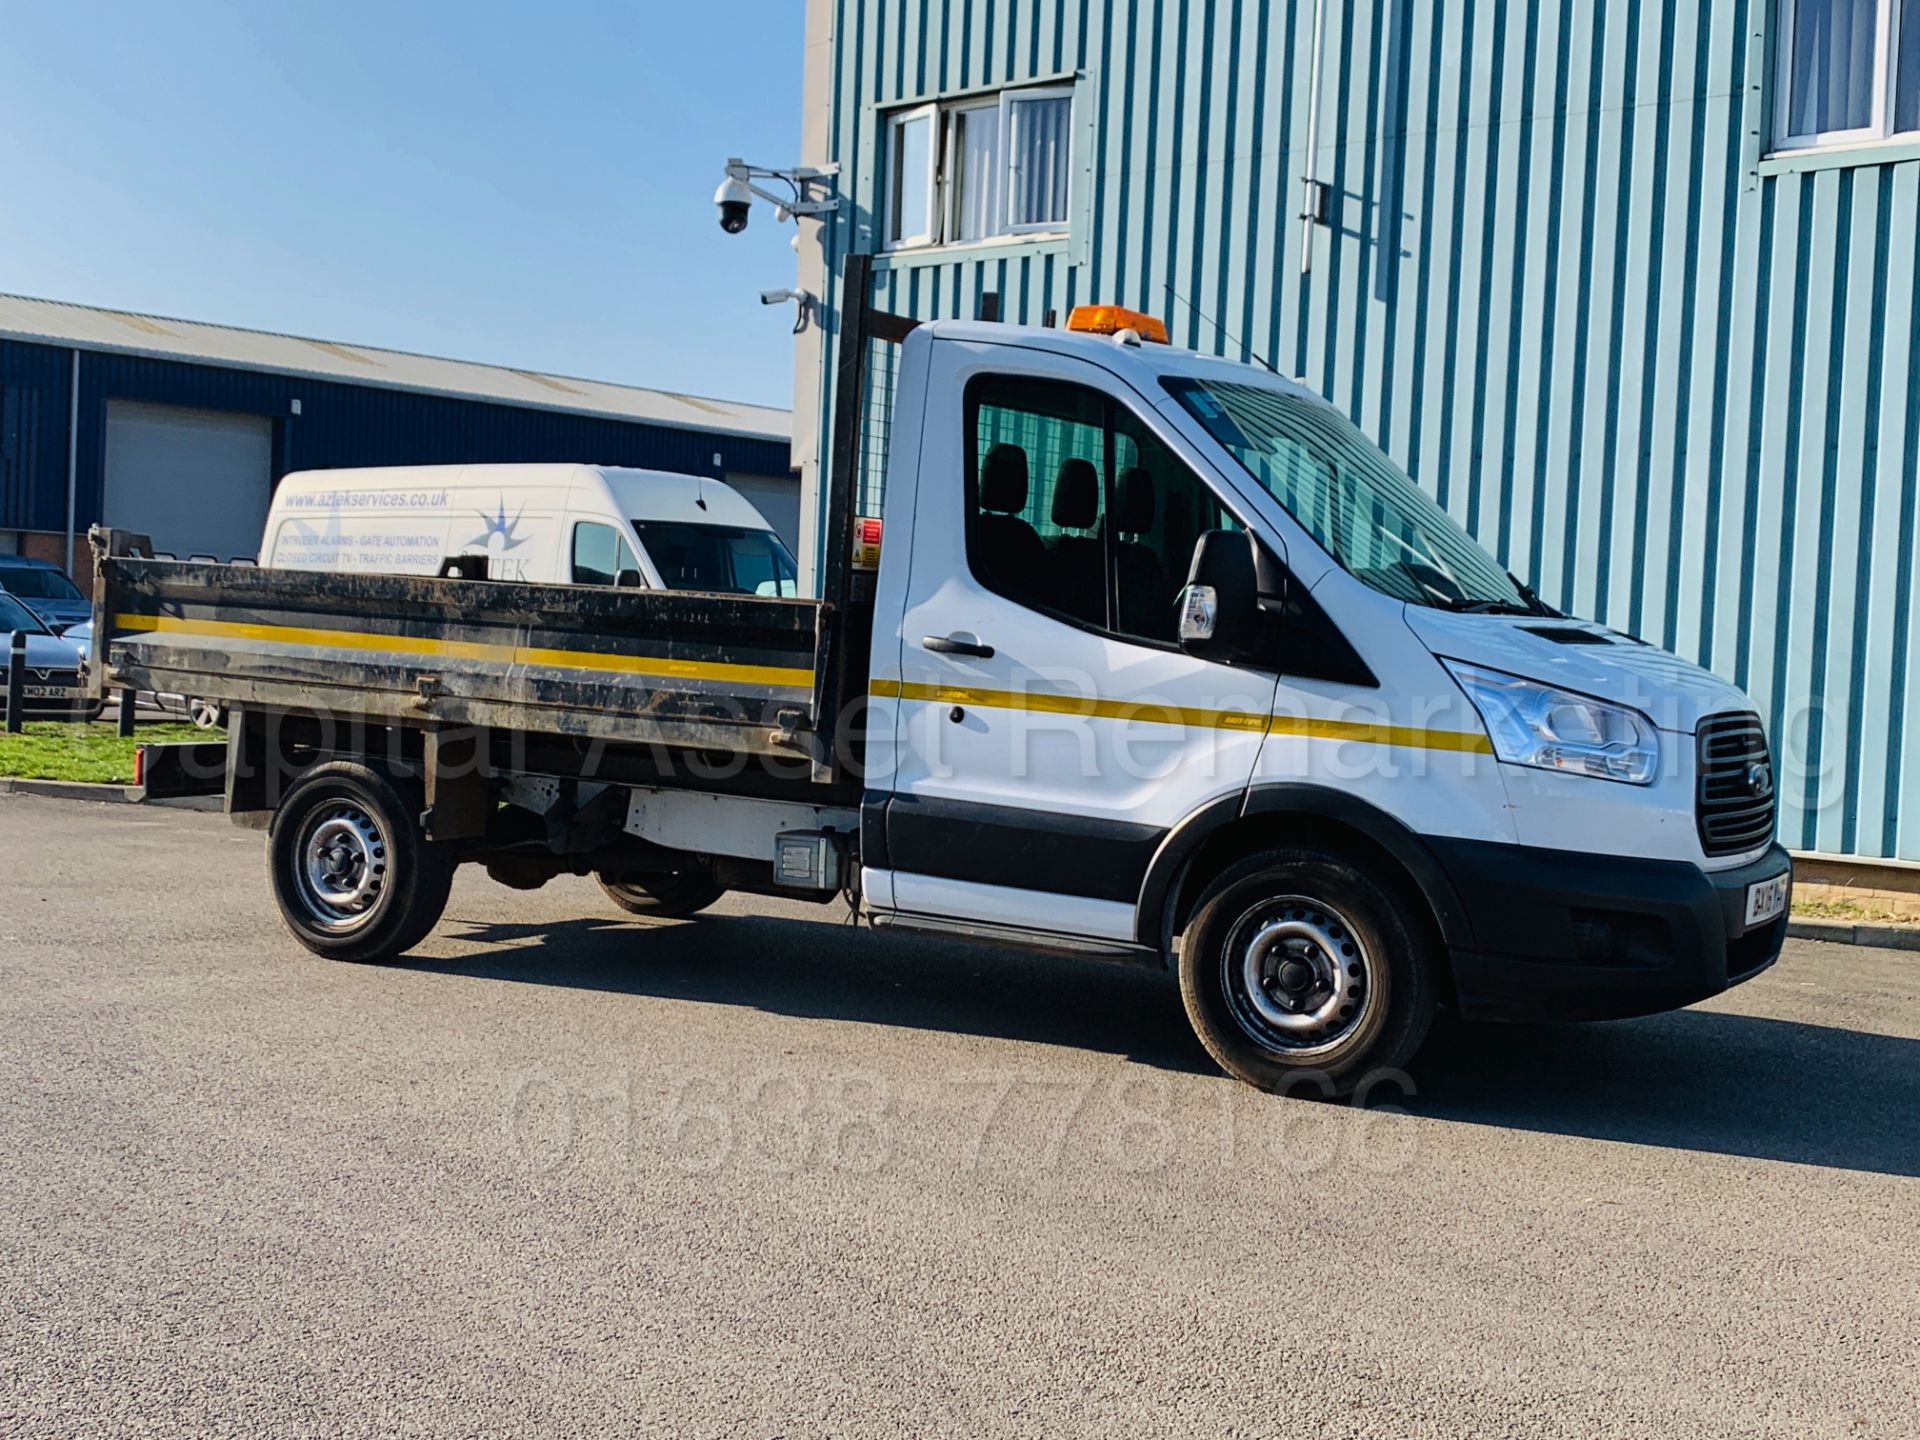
(732,200)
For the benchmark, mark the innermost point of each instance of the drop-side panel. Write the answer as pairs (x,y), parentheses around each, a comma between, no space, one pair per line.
(702,672)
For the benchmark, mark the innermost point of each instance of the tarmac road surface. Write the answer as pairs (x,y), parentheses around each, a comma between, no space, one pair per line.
(763,1174)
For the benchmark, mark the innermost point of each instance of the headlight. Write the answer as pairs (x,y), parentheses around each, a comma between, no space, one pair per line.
(1534,724)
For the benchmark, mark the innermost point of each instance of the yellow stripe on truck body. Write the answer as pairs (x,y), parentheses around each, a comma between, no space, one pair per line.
(651,666)
(1297,726)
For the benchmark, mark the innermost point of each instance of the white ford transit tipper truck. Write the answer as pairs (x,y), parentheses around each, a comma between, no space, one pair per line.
(1163,662)
(542,524)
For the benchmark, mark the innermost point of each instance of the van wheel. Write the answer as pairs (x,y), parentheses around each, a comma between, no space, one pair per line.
(353,876)
(664,896)
(1300,974)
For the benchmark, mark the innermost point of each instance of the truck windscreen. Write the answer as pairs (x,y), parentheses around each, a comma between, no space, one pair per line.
(722,559)
(1360,507)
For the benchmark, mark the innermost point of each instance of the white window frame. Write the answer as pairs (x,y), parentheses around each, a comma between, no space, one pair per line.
(1008,98)
(935,129)
(1885,86)
(943,200)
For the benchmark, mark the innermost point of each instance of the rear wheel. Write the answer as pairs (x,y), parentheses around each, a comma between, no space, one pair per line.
(353,876)
(1300,973)
(665,895)
(206,714)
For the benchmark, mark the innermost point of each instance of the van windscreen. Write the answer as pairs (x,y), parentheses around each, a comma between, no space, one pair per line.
(719,559)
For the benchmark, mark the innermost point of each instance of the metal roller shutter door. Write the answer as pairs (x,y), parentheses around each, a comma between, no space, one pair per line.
(777,498)
(198,481)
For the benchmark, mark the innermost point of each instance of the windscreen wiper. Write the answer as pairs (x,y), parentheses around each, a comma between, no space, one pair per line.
(1464,605)
(1535,605)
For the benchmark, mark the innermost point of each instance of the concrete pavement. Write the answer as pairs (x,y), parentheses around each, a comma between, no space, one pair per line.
(763,1174)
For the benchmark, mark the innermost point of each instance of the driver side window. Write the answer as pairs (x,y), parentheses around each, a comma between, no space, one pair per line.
(600,553)
(1076,510)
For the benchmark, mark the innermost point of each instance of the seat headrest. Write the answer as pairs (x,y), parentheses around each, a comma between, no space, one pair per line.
(1136,501)
(1003,479)
(1076,495)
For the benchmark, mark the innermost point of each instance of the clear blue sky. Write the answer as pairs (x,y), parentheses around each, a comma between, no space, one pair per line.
(524,184)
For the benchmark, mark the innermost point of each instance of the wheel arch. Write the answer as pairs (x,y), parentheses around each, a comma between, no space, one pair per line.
(1229,829)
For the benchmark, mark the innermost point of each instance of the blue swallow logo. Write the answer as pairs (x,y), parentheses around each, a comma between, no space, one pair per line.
(499,528)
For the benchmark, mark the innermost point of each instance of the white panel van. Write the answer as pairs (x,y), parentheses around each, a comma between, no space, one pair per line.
(539,524)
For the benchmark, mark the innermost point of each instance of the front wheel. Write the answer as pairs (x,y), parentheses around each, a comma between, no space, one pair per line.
(353,876)
(1300,973)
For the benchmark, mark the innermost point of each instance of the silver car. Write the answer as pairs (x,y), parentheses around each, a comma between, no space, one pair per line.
(45,590)
(52,689)
(206,714)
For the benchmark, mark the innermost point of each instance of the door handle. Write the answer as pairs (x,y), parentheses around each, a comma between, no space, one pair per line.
(958,643)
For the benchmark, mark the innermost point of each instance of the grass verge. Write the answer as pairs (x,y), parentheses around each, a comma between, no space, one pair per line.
(1870,911)
(90,753)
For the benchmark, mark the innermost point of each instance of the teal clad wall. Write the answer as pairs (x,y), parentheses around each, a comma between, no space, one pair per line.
(1666,378)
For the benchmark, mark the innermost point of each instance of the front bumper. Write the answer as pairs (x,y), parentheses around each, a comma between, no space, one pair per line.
(1563,936)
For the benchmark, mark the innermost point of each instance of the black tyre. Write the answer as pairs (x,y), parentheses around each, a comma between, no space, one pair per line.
(354,877)
(667,895)
(1301,974)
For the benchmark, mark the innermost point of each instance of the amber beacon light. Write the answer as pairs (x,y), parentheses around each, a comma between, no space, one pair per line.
(1112,319)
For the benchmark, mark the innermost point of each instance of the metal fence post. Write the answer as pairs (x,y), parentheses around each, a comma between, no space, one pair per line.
(17,682)
(126,714)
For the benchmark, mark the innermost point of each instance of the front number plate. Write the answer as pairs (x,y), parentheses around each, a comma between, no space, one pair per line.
(48,692)
(1767,899)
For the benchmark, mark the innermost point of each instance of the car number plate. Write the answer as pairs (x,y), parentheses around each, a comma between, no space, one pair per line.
(1767,898)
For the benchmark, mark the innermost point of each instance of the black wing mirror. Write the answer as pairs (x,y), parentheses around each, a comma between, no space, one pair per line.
(1220,607)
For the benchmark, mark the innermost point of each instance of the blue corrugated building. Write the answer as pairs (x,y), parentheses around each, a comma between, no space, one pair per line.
(181,429)
(1629,285)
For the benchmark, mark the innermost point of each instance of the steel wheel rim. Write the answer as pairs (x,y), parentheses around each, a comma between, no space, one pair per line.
(340,866)
(1298,978)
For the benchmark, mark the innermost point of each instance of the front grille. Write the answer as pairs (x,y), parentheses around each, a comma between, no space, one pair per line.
(1735,802)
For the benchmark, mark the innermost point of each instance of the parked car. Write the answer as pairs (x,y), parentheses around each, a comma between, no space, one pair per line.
(207,714)
(53,690)
(44,588)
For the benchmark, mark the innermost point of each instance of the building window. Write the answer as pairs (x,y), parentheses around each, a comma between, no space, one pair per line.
(1039,129)
(1849,71)
(911,138)
(978,168)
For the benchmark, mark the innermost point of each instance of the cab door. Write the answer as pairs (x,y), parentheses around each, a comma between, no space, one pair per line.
(1049,730)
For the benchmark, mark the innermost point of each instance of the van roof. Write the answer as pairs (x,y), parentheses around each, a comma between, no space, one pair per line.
(694,499)
(636,494)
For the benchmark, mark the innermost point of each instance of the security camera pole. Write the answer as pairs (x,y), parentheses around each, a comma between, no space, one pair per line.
(736,193)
